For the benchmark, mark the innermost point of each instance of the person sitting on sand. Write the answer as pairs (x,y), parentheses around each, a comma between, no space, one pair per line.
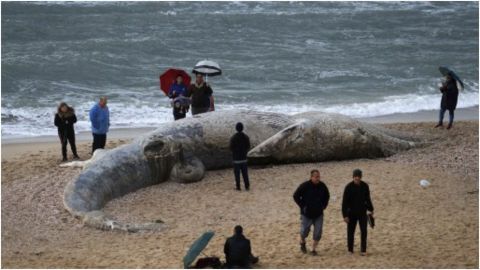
(238,251)
(65,118)
(312,197)
(449,91)
(239,145)
(180,102)
(356,202)
(201,96)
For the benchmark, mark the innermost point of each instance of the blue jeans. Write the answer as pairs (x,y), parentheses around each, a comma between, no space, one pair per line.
(442,113)
(306,223)
(241,167)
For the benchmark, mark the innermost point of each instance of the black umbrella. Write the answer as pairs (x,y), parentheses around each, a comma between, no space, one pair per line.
(446,71)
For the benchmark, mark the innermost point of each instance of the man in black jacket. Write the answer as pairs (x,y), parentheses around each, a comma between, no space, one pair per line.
(238,251)
(201,95)
(239,145)
(312,197)
(356,202)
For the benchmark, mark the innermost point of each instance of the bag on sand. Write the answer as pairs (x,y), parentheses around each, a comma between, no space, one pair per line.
(208,262)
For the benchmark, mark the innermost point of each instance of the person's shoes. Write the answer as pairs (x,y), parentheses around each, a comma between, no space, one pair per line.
(449,126)
(303,248)
(314,253)
(238,189)
(350,252)
(76,157)
(64,159)
(363,253)
(247,188)
(438,125)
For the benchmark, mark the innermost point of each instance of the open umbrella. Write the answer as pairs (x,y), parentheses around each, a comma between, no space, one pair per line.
(446,71)
(207,68)
(197,247)
(168,77)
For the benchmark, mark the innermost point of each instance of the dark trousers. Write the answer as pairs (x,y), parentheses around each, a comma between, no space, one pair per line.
(442,113)
(178,116)
(352,224)
(241,167)
(179,113)
(199,110)
(242,265)
(99,141)
(64,140)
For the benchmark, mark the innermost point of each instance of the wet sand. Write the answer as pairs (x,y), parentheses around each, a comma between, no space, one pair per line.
(436,227)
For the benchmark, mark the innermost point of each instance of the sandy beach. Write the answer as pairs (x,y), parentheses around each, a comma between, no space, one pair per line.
(435,227)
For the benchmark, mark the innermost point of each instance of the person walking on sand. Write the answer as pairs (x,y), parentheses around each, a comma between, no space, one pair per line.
(238,252)
(65,118)
(312,197)
(178,93)
(239,145)
(449,100)
(201,96)
(100,119)
(356,202)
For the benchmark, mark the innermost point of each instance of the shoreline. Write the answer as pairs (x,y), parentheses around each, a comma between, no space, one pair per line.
(14,147)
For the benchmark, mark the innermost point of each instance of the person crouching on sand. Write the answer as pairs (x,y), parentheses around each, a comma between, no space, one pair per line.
(65,118)
(356,202)
(238,252)
(312,197)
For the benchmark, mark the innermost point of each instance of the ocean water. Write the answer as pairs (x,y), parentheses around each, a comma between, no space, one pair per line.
(356,58)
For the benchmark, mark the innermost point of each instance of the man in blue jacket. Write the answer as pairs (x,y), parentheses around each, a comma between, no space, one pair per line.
(100,118)
(312,198)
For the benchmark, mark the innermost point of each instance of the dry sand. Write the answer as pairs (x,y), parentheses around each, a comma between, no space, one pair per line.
(436,227)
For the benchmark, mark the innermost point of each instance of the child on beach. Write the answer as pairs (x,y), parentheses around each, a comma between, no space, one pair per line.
(180,102)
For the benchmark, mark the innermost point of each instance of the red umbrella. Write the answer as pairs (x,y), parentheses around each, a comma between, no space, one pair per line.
(169,76)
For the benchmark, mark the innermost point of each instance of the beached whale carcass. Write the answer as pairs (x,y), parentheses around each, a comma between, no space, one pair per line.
(182,151)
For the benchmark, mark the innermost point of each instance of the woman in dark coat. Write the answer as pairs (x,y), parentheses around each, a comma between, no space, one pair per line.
(64,120)
(449,100)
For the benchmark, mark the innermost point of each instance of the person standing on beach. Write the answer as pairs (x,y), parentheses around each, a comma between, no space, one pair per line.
(100,118)
(65,118)
(356,202)
(312,197)
(239,145)
(201,96)
(178,93)
(449,100)
(238,252)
